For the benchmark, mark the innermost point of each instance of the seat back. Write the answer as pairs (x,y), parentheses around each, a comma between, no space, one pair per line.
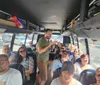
(20,68)
(87,77)
(57,73)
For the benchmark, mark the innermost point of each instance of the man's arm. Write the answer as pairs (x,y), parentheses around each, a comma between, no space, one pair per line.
(41,50)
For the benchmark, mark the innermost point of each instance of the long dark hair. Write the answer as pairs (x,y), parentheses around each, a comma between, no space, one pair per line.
(20,58)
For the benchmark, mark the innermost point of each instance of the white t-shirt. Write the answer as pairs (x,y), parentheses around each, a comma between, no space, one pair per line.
(11,77)
(79,70)
(57,82)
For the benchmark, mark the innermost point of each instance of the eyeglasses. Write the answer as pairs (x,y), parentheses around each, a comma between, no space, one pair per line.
(98,75)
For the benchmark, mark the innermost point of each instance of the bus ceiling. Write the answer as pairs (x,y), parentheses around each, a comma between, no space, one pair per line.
(51,14)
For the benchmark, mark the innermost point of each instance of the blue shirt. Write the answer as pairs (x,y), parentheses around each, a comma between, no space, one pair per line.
(55,64)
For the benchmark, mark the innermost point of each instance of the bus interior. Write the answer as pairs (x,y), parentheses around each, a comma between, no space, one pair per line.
(71,21)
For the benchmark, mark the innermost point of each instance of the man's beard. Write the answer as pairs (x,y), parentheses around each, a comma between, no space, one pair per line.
(47,37)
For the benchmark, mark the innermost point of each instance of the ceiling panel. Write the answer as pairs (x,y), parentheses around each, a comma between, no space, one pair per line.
(40,11)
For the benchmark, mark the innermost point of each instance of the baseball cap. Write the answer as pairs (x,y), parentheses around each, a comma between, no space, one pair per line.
(68,66)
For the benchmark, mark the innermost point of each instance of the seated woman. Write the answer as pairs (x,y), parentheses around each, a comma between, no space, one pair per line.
(27,62)
(82,65)
(97,77)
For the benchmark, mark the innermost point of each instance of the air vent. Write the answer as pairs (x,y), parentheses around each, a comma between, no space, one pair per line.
(88,29)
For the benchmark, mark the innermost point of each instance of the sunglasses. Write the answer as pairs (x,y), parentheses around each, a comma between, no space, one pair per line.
(22,51)
(64,52)
(98,75)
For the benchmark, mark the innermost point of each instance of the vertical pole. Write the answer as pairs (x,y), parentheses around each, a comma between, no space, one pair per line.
(84,9)
(87,48)
(12,42)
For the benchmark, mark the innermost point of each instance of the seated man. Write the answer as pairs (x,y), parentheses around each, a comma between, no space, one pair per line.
(11,55)
(97,77)
(66,77)
(8,76)
(58,63)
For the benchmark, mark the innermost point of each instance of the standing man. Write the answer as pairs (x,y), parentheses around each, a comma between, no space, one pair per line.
(42,49)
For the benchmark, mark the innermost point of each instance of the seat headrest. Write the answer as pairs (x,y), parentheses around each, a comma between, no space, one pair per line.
(87,77)
(57,73)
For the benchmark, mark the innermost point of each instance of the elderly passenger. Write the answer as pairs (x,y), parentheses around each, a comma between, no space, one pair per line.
(11,55)
(8,76)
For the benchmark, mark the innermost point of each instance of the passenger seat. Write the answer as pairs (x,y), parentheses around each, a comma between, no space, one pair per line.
(87,77)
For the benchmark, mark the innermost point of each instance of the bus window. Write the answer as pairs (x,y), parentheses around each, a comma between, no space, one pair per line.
(65,40)
(29,38)
(5,38)
(75,40)
(94,49)
(82,45)
(35,39)
(19,40)
(57,37)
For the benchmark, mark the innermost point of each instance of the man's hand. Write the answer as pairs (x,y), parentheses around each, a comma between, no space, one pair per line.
(53,43)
